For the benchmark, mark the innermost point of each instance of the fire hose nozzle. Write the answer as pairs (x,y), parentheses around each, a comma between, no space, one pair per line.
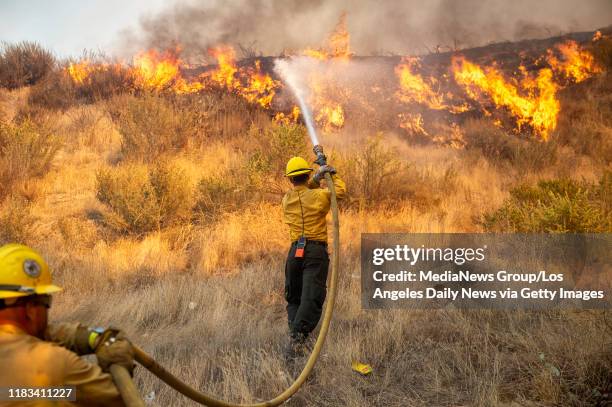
(321,158)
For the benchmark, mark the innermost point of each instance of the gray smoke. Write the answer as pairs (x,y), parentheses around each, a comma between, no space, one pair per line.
(376,27)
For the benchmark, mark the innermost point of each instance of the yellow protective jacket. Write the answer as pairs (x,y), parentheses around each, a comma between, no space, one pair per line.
(26,361)
(315,202)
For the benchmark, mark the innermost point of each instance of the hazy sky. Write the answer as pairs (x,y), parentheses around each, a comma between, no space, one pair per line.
(69,26)
(122,27)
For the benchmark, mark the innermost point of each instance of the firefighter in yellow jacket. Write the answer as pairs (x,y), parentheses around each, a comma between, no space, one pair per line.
(34,353)
(305,208)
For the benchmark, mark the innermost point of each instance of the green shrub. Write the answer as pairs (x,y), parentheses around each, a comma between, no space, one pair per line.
(151,126)
(24,64)
(560,205)
(26,150)
(142,199)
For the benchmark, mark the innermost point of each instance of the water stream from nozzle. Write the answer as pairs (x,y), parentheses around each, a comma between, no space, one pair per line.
(283,68)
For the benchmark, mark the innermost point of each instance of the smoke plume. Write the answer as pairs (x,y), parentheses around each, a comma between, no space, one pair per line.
(377,27)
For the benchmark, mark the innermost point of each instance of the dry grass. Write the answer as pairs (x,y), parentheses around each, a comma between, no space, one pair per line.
(224,334)
(201,288)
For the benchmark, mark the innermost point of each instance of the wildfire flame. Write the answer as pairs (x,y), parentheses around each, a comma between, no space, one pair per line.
(157,71)
(415,89)
(287,119)
(337,45)
(249,82)
(412,123)
(575,64)
(531,101)
(597,36)
(326,93)
(528,98)
(80,71)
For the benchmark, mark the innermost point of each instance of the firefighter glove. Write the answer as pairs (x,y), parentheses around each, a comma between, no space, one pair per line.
(322,171)
(112,348)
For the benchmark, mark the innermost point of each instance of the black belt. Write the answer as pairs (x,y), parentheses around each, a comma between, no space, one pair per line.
(317,242)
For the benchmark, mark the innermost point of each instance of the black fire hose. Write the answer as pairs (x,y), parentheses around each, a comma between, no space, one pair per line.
(206,399)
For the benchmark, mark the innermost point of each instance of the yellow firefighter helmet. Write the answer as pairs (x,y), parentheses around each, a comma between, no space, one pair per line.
(23,272)
(297,166)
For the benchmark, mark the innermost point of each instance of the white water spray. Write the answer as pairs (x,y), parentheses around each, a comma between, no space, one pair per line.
(283,68)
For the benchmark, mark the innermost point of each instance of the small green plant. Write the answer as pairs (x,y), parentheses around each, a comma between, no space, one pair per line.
(26,150)
(556,206)
(24,64)
(142,199)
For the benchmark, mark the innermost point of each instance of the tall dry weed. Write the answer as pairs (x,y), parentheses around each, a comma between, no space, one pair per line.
(26,150)
(142,199)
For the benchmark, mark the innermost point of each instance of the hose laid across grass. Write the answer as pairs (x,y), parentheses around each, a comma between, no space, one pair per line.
(206,399)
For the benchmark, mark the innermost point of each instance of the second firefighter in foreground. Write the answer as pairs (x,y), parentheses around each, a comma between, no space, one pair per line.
(305,208)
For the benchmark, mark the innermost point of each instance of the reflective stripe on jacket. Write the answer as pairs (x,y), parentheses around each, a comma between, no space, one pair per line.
(26,361)
(315,205)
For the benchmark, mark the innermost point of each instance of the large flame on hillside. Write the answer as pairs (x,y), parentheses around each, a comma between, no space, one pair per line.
(157,71)
(337,45)
(575,63)
(249,82)
(327,94)
(531,101)
(81,72)
(414,88)
(526,100)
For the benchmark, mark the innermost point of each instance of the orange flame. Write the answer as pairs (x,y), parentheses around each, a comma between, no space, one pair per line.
(326,93)
(536,106)
(156,71)
(287,119)
(597,36)
(575,64)
(325,98)
(80,71)
(414,89)
(412,123)
(250,82)
(225,74)
(337,44)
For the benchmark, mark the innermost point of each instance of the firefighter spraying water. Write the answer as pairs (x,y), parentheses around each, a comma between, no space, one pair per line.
(25,288)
